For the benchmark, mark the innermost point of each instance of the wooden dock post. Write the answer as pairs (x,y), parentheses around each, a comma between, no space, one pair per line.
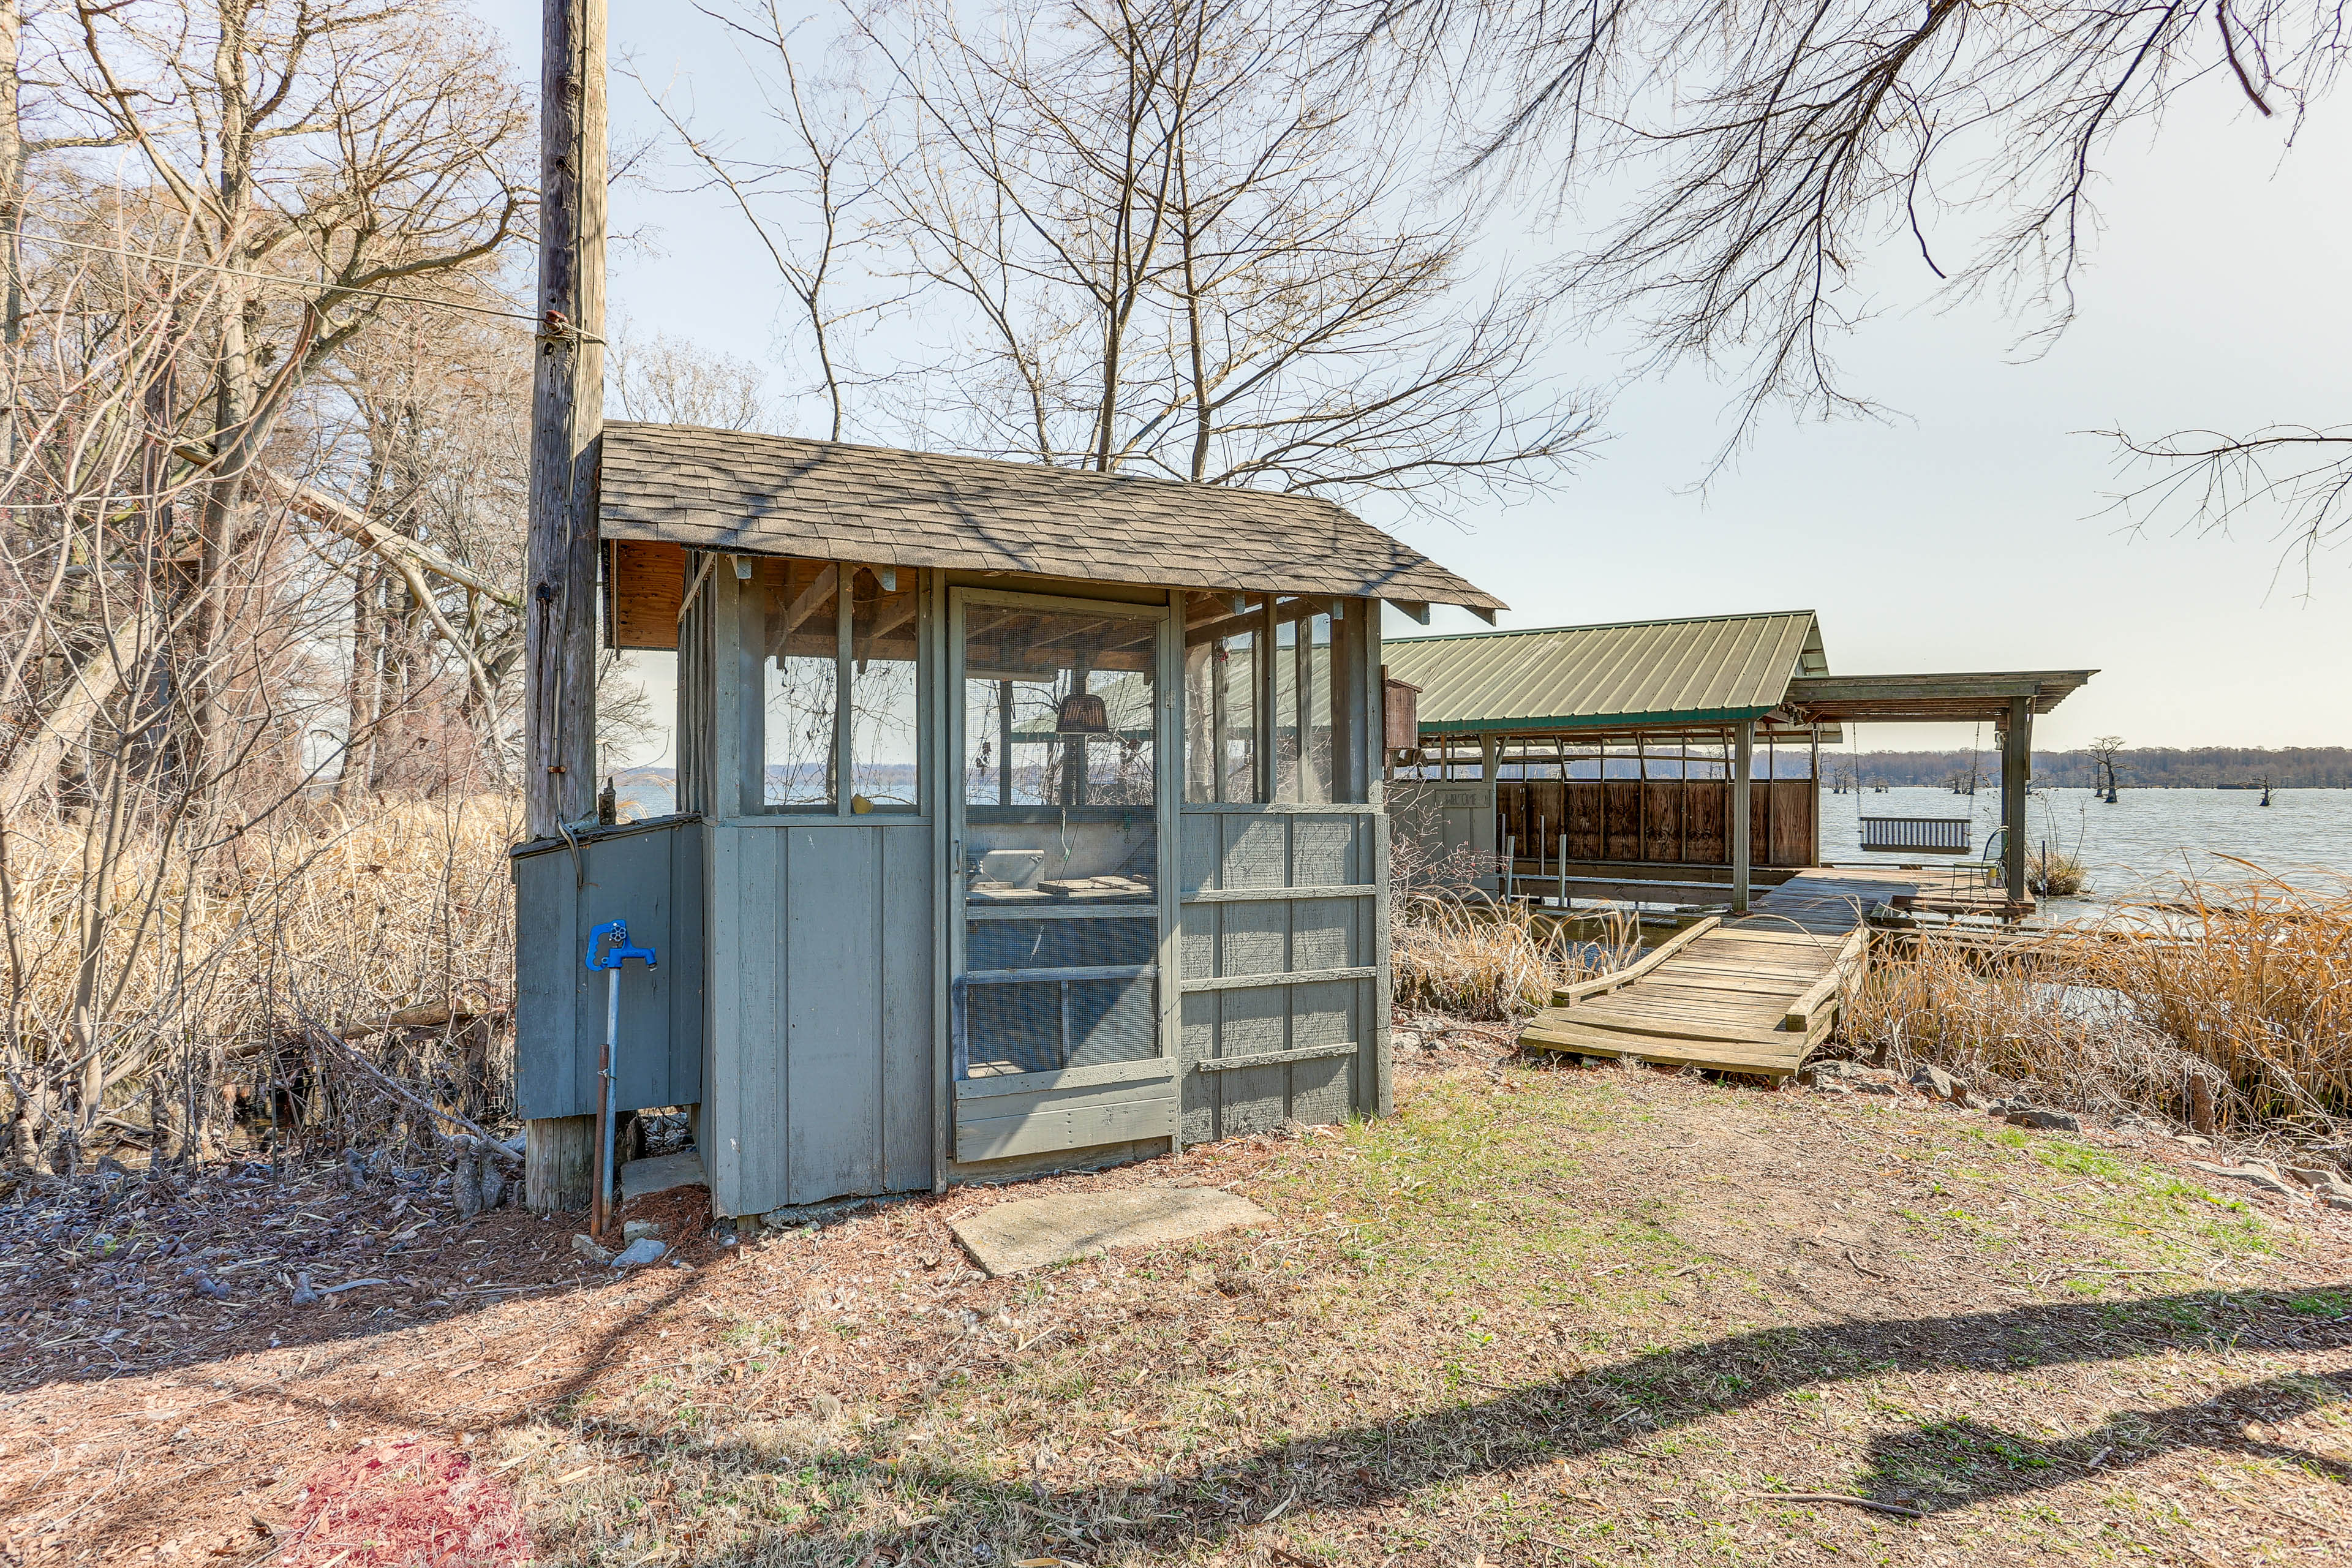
(1743,763)
(567,408)
(2016,768)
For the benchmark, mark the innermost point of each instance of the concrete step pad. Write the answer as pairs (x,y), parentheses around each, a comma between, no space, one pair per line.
(1030,1233)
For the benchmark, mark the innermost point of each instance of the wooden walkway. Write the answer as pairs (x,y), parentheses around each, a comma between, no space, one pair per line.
(1752,994)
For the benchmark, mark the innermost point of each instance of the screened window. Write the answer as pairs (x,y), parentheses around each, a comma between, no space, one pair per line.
(1267,691)
(839,655)
(1060,838)
(1224,637)
(883,759)
(800,684)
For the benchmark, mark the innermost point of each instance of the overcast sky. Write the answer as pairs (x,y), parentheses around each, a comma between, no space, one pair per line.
(1971,531)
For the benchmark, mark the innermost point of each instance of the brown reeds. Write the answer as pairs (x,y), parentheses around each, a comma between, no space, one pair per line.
(1476,958)
(2226,1007)
(363,921)
(2054,874)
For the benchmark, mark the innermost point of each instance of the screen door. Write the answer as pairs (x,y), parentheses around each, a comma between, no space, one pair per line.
(1060,999)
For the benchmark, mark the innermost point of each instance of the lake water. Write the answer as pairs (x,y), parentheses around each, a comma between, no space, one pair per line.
(2145,843)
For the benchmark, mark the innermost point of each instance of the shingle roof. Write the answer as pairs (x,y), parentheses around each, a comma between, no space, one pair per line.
(1715,669)
(777,495)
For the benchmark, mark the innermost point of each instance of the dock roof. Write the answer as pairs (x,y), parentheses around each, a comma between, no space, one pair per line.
(1708,669)
(779,495)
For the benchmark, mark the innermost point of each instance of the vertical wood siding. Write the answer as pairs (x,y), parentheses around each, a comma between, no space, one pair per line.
(651,878)
(1288,863)
(824,974)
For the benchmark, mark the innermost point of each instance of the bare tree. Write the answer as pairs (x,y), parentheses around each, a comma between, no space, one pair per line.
(1157,239)
(669,381)
(421,424)
(805,210)
(1776,149)
(2103,751)
(321,154)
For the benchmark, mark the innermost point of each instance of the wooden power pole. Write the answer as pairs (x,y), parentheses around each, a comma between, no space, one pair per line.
(567,408)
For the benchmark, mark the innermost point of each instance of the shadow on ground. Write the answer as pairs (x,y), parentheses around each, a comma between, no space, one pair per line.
(1936,1468)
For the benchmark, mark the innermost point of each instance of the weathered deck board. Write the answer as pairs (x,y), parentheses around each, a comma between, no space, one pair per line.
(1722,1001)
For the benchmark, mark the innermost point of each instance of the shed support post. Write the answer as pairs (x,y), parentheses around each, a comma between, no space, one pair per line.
(1743,763)
(558,1164)
(560,556)
(2016,768)
(1489,756)
(1813,772)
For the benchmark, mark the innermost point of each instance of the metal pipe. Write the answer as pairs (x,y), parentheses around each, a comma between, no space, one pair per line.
(604,1101)
(609,958)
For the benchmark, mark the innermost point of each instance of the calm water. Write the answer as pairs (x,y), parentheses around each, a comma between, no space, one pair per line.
(2148,840)
(2143,843)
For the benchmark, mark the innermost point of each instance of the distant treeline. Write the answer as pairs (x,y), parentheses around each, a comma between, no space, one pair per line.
(2150,767)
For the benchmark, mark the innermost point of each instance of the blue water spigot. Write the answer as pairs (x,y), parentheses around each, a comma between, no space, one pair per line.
(620,952)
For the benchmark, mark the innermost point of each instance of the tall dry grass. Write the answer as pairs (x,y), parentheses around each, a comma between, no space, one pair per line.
(1475,958)
(216,970)
(2226,1007)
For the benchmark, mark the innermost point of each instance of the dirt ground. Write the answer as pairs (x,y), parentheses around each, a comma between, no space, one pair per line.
(1540,1315)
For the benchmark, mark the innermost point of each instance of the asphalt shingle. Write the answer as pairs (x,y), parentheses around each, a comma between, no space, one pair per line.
(779,495)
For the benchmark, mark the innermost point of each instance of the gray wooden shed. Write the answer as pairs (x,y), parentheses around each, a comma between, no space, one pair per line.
(1025,817)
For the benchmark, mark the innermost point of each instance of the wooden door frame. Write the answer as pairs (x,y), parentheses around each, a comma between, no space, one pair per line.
(950,602)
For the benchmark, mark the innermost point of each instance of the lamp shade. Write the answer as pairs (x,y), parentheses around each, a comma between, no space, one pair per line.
(1082,713)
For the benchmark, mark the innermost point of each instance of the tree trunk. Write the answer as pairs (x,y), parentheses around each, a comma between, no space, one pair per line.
(12,221)
(40,754)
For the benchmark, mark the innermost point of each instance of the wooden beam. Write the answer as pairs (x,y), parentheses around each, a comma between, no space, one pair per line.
(1568,995)
(2016,769)
(559,553)
(566,423)
(1743,763)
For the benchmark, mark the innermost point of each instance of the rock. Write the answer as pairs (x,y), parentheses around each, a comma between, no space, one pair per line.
(2320,1178)
(1404,1039)
(638,1229)
(2192,1140)
(1935,1081)
(466,1185)
(217,1289)
(2050,1120)
(2254,1175)
(2339,1200)
(586,1246)
(639,1253)
(1874,1086)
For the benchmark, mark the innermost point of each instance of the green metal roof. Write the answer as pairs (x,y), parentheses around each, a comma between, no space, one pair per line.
(1715,669)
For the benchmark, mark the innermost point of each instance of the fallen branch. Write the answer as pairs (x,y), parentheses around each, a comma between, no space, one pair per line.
(1872,1503)
(487,1143)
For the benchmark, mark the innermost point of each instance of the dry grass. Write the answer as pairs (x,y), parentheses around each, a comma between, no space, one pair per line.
(2054,874)
(2243,987)
(1477,959)
(1538,1317)
(210,975)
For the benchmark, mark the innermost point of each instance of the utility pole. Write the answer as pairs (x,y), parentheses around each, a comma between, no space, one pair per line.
(567,406)
(567,409)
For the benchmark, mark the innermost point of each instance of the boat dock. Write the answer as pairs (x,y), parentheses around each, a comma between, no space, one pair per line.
(1747,994)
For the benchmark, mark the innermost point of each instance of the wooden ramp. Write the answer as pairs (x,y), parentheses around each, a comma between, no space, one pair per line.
(1749,995)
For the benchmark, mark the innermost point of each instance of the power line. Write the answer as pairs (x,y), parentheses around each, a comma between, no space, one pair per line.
(276,281)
